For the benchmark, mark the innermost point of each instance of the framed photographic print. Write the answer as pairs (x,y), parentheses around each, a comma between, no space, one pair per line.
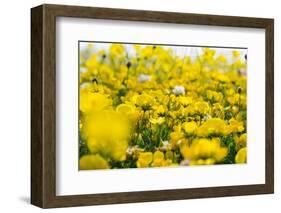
(136,106)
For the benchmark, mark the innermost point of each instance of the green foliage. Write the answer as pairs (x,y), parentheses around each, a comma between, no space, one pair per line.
(83,148)
(128,163)
(229,142)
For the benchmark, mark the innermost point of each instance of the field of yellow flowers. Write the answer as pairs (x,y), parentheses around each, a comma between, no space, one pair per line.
(155,108)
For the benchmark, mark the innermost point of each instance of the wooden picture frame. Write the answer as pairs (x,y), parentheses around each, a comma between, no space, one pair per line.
(43,105)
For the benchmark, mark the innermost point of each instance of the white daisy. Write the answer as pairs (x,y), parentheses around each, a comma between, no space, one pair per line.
(179,90)
(144,78)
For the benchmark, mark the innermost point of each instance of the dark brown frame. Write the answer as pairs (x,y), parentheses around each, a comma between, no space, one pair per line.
(43,105)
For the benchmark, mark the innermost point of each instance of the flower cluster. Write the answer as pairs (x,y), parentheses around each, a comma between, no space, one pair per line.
(150,107)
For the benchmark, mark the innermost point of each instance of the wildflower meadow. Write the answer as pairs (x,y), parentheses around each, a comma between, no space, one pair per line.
(143,105)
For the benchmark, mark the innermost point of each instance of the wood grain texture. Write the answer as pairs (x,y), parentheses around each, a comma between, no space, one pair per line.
(43,105)
(36,106)
(269,106)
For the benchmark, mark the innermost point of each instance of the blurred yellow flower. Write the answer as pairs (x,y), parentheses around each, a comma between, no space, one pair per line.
(190,127)
(90,101)
(144,159)
(125,108)
(235,53)
(241,141)
(117,50)
(89,162)
(176,137)
(158,120)
(185,100)
(159,160)
(215,96)
(159,109)
(235,125)
(202,107)
(241,156)
(143,100)
(204,151)
(107,133)
(213,126)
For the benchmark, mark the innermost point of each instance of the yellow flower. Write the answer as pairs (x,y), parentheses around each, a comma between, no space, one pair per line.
(185,100)
(89,162)
(204,151)
(241,156)
(159,160)
(176,137)
(143,100)
(146,52)
(213,126)
(90,46)
(107,133)
(144,159)
(92,62)
(90,101)
(169,155)
(117,49)
(218,111)
(128,110)
(158,120)
(233,99)
(221,77)
(202,107)
(125,108)
(235,53)
(235,125)
(159,109)
(208,161)
(208,54)
(221,59)
(190,127)
(215,96)
(241,141)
